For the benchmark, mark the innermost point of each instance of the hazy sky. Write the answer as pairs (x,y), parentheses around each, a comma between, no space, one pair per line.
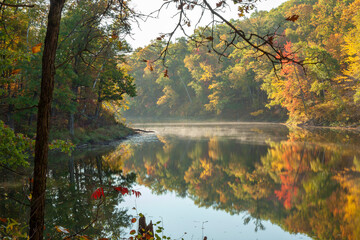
(153,28)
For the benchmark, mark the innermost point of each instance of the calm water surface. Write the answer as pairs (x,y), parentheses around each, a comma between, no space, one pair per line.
(220,180)
(248,181)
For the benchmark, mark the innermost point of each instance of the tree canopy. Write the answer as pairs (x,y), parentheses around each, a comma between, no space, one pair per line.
(194,81)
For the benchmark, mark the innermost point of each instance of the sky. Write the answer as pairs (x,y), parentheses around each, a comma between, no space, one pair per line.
(165,23)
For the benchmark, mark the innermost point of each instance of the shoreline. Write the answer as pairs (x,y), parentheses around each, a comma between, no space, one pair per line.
(94,144)
(108,143)
(342,128)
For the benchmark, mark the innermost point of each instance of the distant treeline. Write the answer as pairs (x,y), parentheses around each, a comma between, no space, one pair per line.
(195,82)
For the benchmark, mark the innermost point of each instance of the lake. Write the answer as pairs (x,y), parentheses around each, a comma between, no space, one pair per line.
(219,180)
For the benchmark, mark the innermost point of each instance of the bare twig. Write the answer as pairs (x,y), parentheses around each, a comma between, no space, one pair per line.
(17,5)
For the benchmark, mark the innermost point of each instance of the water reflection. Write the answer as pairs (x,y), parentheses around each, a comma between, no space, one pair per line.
(308,183)
(70,184)
(303,181)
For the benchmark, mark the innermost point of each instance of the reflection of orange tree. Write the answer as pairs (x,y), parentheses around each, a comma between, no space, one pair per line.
(351,211)
(295,177)
(287,162)
(318,205)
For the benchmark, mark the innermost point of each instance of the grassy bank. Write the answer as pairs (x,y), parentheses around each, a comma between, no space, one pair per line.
(100,135)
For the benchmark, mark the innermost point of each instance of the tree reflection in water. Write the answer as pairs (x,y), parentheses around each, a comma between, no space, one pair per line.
(309,183)
(70,184)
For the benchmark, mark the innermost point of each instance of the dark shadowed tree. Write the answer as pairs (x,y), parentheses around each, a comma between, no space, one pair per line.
(42,131)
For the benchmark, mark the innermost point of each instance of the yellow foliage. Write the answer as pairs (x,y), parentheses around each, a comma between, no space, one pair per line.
(257,113)
(207,168)
(115,160)
(36,48)
(208,72)
(214,148)
(351,210)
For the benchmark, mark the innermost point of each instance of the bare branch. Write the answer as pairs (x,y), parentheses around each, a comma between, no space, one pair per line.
(17,5)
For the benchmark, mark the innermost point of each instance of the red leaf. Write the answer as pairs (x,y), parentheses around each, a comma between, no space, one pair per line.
(293,18)
(181,6)
(219,4)
(98,193)
(270,40)
(136,193)
(166,73)
(123,190)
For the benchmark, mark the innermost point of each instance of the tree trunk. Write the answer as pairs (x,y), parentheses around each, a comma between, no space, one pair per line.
(72,171)
(71,125)
(98,110)
(42,133)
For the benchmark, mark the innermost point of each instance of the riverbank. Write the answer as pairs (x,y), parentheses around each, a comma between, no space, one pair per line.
(311,125)
(84,138)
(352,128)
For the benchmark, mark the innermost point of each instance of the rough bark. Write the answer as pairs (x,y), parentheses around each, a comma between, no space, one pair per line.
(42,133)
(71,124)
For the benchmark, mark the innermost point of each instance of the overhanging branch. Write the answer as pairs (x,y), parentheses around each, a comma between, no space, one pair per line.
(17,5)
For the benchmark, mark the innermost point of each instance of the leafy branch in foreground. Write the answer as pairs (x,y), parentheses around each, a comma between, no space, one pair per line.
(266,45)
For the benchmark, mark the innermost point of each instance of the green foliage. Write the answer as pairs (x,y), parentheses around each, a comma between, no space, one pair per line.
(89,62)
(85,136)
(158,230)
(14,148)
(11,229)
(64,146)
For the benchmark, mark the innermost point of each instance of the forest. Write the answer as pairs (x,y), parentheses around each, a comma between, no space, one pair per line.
(68,76)
(96,69)
(91,78)
(195,82)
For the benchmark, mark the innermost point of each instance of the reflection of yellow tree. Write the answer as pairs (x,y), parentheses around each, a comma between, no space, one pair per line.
(115,159)
(351,209)
(206,177)
(207,167)
(294,176)
(214,150)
